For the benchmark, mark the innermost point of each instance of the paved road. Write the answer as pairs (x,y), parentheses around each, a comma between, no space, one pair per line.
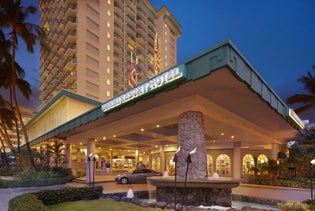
(111,187)
(277,193)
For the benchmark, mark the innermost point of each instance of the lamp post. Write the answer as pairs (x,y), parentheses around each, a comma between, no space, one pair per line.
(89,167)
(93,170)
(175,161)
(312,164)
(188,161)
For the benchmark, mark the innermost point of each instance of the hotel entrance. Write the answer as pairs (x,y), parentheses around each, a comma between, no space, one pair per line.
(240,114)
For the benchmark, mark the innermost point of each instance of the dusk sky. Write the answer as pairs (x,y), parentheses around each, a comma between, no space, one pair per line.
(277,37)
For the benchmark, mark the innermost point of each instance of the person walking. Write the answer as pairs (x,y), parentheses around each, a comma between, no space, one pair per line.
(108,170)
(103,165)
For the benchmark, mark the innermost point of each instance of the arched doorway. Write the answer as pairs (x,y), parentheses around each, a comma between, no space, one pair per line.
(223,165)
(210,164)
(262,163)
(248,164)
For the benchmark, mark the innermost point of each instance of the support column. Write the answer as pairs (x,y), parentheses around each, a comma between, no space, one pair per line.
(275,148)
(190,136)
(68,156)
(90,150)
(162,159)
(150,160)
(237,161)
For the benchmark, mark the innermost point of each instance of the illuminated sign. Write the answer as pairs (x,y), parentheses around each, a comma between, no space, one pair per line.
(296,118)
(154,83)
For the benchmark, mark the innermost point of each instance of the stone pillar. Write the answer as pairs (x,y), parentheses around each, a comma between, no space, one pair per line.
(275,148)
(190,136)
(90,149)
(237,161)
(68,156)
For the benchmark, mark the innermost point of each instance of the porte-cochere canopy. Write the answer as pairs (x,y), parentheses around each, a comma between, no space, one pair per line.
(237,104)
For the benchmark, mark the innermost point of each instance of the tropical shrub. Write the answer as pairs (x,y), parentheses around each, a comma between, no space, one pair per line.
(293,206)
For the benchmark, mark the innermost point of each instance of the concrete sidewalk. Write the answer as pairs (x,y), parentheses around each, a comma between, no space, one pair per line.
(9,193)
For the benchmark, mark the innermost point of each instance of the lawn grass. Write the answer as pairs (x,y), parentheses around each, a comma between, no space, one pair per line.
(98,205)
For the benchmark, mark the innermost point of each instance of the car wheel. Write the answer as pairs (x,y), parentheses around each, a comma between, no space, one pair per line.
(124,180)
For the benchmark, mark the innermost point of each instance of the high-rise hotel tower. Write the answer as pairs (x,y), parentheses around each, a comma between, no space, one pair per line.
(100,48)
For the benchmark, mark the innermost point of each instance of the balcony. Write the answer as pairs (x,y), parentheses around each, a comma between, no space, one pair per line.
(70,50)
(70,65)
(71,23)
(118,11)
(141,23)
(71,10)
(69,79)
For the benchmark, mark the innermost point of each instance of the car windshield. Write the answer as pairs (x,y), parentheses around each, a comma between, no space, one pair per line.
(140,171)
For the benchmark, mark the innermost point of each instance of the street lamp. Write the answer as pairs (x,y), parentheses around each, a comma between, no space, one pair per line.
(175,161)
(89,167)
(188,161)
(312,164)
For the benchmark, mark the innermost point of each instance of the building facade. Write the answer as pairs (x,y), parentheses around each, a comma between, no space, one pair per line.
(93,46)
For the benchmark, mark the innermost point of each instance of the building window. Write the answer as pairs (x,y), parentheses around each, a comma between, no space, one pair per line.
(92,74)
(108,35)
(108,47)
(92,24)
(108,70)
(92,49)
(108,82)
(108,12)
(108,58)
(108,24)
(92,11)
(91,36)
(91,86)
(108,93)
(91,61)
(108,2)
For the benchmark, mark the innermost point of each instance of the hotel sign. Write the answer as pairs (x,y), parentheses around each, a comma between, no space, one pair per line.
(295,118)
(153,84)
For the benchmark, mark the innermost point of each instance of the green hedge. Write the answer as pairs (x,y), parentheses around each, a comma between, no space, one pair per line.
(31,183)
(26,202)
(49,197)
(292,183)
(38,201)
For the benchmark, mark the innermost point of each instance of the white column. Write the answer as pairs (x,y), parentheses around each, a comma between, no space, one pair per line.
(90,150)
(237,161)
(162,159)
(150,160)
(275,148)
(68,156)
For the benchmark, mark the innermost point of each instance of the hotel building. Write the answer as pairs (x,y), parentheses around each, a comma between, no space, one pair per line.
(93,46)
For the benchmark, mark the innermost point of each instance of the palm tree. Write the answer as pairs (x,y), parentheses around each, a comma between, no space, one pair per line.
(307,100)
(56,150)
(13,17)
(6,122)
(23,86)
